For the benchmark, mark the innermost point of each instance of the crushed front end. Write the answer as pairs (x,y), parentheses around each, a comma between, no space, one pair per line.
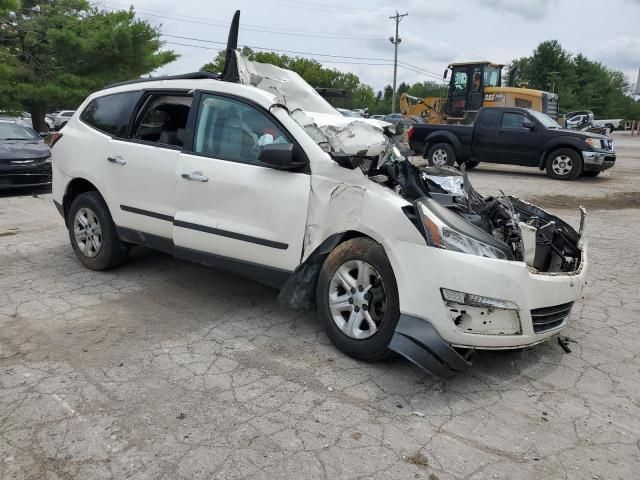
(500,273)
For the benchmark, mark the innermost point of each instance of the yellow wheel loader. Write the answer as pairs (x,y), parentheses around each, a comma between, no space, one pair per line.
(473,85)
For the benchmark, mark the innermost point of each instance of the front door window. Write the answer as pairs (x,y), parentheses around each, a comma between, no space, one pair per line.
(232,130)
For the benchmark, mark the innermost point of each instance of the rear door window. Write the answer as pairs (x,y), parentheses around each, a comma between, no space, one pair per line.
(111,114)
(163,119)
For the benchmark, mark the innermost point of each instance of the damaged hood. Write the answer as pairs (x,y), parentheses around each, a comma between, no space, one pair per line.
(335,133)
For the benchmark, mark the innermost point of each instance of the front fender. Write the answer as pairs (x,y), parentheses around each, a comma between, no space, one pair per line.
(564,141)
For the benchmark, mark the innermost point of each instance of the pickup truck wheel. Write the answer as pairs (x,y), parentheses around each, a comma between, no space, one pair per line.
(440,155)
(357,298)
(564,164)
(470,165)
(93,234)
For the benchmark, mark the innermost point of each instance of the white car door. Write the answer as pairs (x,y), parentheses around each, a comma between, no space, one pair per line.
(142,169)
(231,208)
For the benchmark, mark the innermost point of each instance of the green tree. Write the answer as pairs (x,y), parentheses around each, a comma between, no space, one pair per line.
(55,52)
(581,83)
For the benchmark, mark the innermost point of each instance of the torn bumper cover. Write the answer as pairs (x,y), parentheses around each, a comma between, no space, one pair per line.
(417,341)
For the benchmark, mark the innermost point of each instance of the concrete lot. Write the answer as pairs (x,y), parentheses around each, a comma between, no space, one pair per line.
(164,369)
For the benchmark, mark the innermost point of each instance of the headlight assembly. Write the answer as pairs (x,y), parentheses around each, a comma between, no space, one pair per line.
(594,142)
(443,234)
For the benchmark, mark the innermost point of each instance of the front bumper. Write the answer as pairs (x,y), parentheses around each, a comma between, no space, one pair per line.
(422,271)
(597,161)
(36,174)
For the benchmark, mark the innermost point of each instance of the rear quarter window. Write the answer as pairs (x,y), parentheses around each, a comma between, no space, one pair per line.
(111,113)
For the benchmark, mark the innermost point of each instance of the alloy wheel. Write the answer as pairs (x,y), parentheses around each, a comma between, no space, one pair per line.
(562,165)
(439,157)
(87,232)
(357,299)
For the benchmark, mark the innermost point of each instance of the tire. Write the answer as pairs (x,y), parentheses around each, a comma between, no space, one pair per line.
(101,249)
(593,173)
(440,155)
(382,304)
(471,165)
(564,164)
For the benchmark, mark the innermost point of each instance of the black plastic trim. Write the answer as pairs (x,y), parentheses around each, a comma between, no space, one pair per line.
(201,75)
(60,208)
(271,276)
(205,229)
(235,236)
(419,342)
(274,277)
(146,213)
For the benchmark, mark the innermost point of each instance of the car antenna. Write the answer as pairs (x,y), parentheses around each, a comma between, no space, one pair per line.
(230,69)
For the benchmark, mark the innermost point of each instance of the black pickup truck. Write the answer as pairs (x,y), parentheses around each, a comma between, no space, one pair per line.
(515,136)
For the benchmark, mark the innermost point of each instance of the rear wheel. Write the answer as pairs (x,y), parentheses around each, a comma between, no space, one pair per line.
(564,164)
(93,233)
(357,298)
(441,155)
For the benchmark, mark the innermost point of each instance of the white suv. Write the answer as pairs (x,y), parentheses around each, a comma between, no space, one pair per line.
(254,171)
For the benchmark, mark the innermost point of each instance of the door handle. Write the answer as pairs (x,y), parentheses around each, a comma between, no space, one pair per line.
(195,176)
(500,132)
(117,160)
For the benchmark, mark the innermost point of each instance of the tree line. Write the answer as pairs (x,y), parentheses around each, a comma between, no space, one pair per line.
(581,83)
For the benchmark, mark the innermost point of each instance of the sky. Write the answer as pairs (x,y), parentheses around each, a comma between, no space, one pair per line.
(434,34)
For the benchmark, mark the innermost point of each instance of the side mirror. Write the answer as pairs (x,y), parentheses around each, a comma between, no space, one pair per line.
(280,156)
(528,124)
(444,75)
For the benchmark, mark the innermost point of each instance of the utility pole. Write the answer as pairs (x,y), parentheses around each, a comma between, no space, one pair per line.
(395,40)
(554,76)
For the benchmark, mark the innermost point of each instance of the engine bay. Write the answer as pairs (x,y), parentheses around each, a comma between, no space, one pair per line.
(543,241)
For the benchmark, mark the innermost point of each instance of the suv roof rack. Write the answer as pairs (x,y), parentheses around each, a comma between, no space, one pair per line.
(185,76)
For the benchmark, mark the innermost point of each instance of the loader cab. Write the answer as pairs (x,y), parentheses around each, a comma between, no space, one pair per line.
(466,86)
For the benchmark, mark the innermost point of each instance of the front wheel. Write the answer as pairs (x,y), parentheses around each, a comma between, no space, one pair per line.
(470,165)
(93,234)
(357,298)
(441,155)
(564,164)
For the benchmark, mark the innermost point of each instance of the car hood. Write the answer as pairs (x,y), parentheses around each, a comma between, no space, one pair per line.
(331,130)
(582,135)
(23,150)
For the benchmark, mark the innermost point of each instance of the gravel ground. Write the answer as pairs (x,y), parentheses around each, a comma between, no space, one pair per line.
(164,369)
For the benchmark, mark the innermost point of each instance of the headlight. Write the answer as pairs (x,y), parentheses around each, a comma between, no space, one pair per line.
(47,160)
(594,142)
(441,235)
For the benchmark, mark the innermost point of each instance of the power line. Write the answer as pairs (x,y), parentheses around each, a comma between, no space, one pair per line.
(322,60)
(278,50)
(210,22)
(405,65)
